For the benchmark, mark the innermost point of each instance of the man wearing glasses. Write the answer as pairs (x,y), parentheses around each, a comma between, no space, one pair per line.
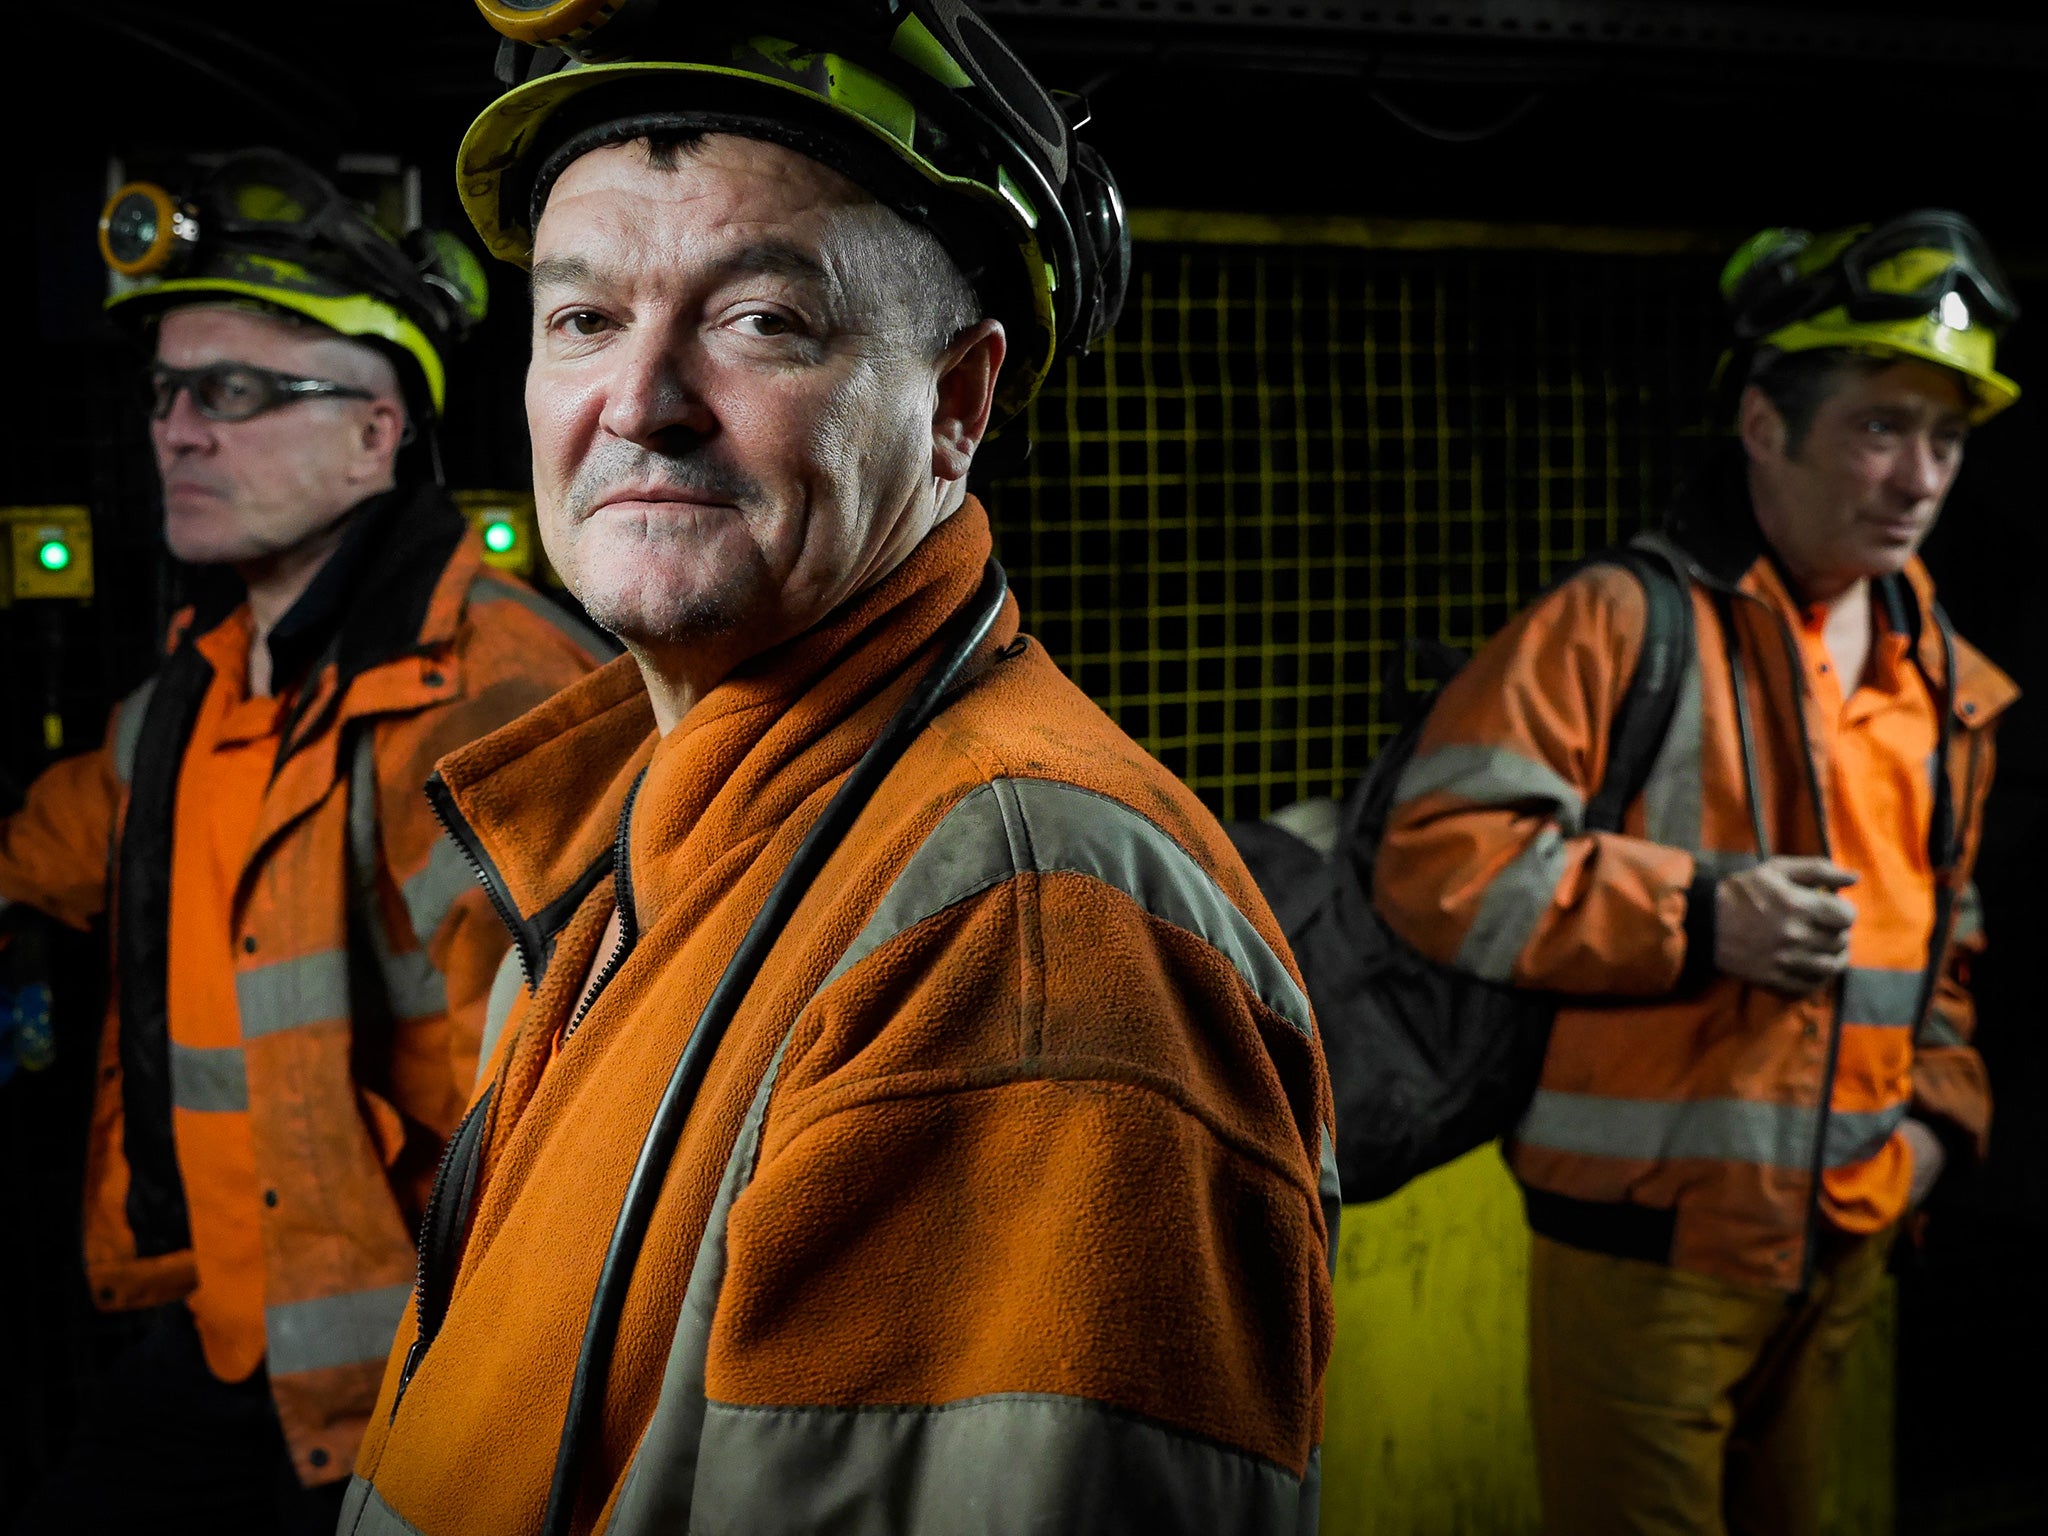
(301,963)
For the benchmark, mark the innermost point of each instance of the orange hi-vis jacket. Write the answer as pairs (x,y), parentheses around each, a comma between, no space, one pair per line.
(362,951)
(1682,1115)
(1007,1200)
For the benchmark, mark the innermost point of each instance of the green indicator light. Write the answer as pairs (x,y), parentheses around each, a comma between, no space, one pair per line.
(54,555)
(500,536)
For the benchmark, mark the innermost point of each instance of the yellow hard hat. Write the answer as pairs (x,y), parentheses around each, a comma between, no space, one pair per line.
(916,101)
(1924,285)
(264,228)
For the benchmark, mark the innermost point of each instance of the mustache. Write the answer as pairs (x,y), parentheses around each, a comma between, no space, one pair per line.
(615,466)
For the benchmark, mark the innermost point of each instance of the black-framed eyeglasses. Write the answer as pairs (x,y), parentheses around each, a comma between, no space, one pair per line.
(235,391)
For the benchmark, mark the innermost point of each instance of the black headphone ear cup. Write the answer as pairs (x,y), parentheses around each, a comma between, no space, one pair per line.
(450,278)
(1108,238)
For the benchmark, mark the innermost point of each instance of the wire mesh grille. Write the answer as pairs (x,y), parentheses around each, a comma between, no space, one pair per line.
(1288,461)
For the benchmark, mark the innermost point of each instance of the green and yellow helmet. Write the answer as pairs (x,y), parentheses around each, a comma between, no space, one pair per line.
(266,229)
(1924,285)
(916,101)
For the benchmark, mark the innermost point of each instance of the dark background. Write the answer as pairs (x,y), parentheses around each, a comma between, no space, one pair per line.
(1721,117)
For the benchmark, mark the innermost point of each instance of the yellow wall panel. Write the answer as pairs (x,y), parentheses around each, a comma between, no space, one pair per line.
(1427,1428)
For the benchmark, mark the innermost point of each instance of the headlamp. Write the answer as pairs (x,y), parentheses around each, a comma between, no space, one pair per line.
(143,230)
(1912,265)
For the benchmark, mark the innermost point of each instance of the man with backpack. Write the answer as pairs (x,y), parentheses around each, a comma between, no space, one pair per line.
(1760,1058)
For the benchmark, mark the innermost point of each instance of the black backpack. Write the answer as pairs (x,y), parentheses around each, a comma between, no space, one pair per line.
(1425,1061)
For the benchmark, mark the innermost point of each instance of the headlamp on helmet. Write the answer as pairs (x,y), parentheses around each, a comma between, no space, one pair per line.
(916,101)
(264,228)
(144,229)
(1924,285)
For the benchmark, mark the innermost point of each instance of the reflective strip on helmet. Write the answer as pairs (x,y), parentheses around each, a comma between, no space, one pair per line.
(1715,1130)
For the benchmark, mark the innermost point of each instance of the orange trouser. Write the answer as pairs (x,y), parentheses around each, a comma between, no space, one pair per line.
(1672,1403)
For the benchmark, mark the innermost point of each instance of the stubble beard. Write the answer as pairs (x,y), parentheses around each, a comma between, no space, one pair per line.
(621,600)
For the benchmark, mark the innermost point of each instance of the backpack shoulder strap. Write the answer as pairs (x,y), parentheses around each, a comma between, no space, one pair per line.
(1644,718)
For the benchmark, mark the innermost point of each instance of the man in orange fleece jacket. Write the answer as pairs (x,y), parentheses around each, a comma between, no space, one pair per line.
(1006,1202)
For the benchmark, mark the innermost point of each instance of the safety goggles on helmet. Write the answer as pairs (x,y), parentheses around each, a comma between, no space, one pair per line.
(230,391)
(916,101)
(266,228)
(1924,285)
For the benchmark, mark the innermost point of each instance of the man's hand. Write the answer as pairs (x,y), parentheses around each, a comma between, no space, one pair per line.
(1929,1157)
(1782,926)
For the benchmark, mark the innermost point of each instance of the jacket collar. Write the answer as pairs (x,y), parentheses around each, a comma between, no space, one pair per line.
(1713,523)
(538,803)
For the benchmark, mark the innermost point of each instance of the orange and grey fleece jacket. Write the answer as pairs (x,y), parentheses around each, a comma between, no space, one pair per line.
(1006,1203)
(1683,1115)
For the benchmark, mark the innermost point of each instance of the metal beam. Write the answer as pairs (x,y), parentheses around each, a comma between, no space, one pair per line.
(1924,40)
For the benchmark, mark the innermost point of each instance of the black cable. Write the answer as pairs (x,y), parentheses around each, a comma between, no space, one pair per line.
(1738,684)
(199,64)
(961,637)
(1429,130)
(303,85)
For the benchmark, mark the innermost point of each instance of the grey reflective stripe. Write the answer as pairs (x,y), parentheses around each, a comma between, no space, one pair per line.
(1871,996)
(1936,1033)
(333,1330)
(1717,865)
(128,730)
(1013,826)
(1719,1130)
(415,988)
(490,587)
(209,1079)
(1331,1191)
(1002,1465)
(504,992)
(292,993)
(1318,822)
(1674,793)
(1969,918)
(661,1483)
(364,1513)
(430,893)
(1515,902)
(1492,776)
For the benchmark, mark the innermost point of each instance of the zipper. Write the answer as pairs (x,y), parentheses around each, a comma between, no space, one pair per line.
(463,836)
(436,1235)
(622,898)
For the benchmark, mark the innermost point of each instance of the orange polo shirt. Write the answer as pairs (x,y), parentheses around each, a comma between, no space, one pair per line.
(1876,750)
(220,801)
